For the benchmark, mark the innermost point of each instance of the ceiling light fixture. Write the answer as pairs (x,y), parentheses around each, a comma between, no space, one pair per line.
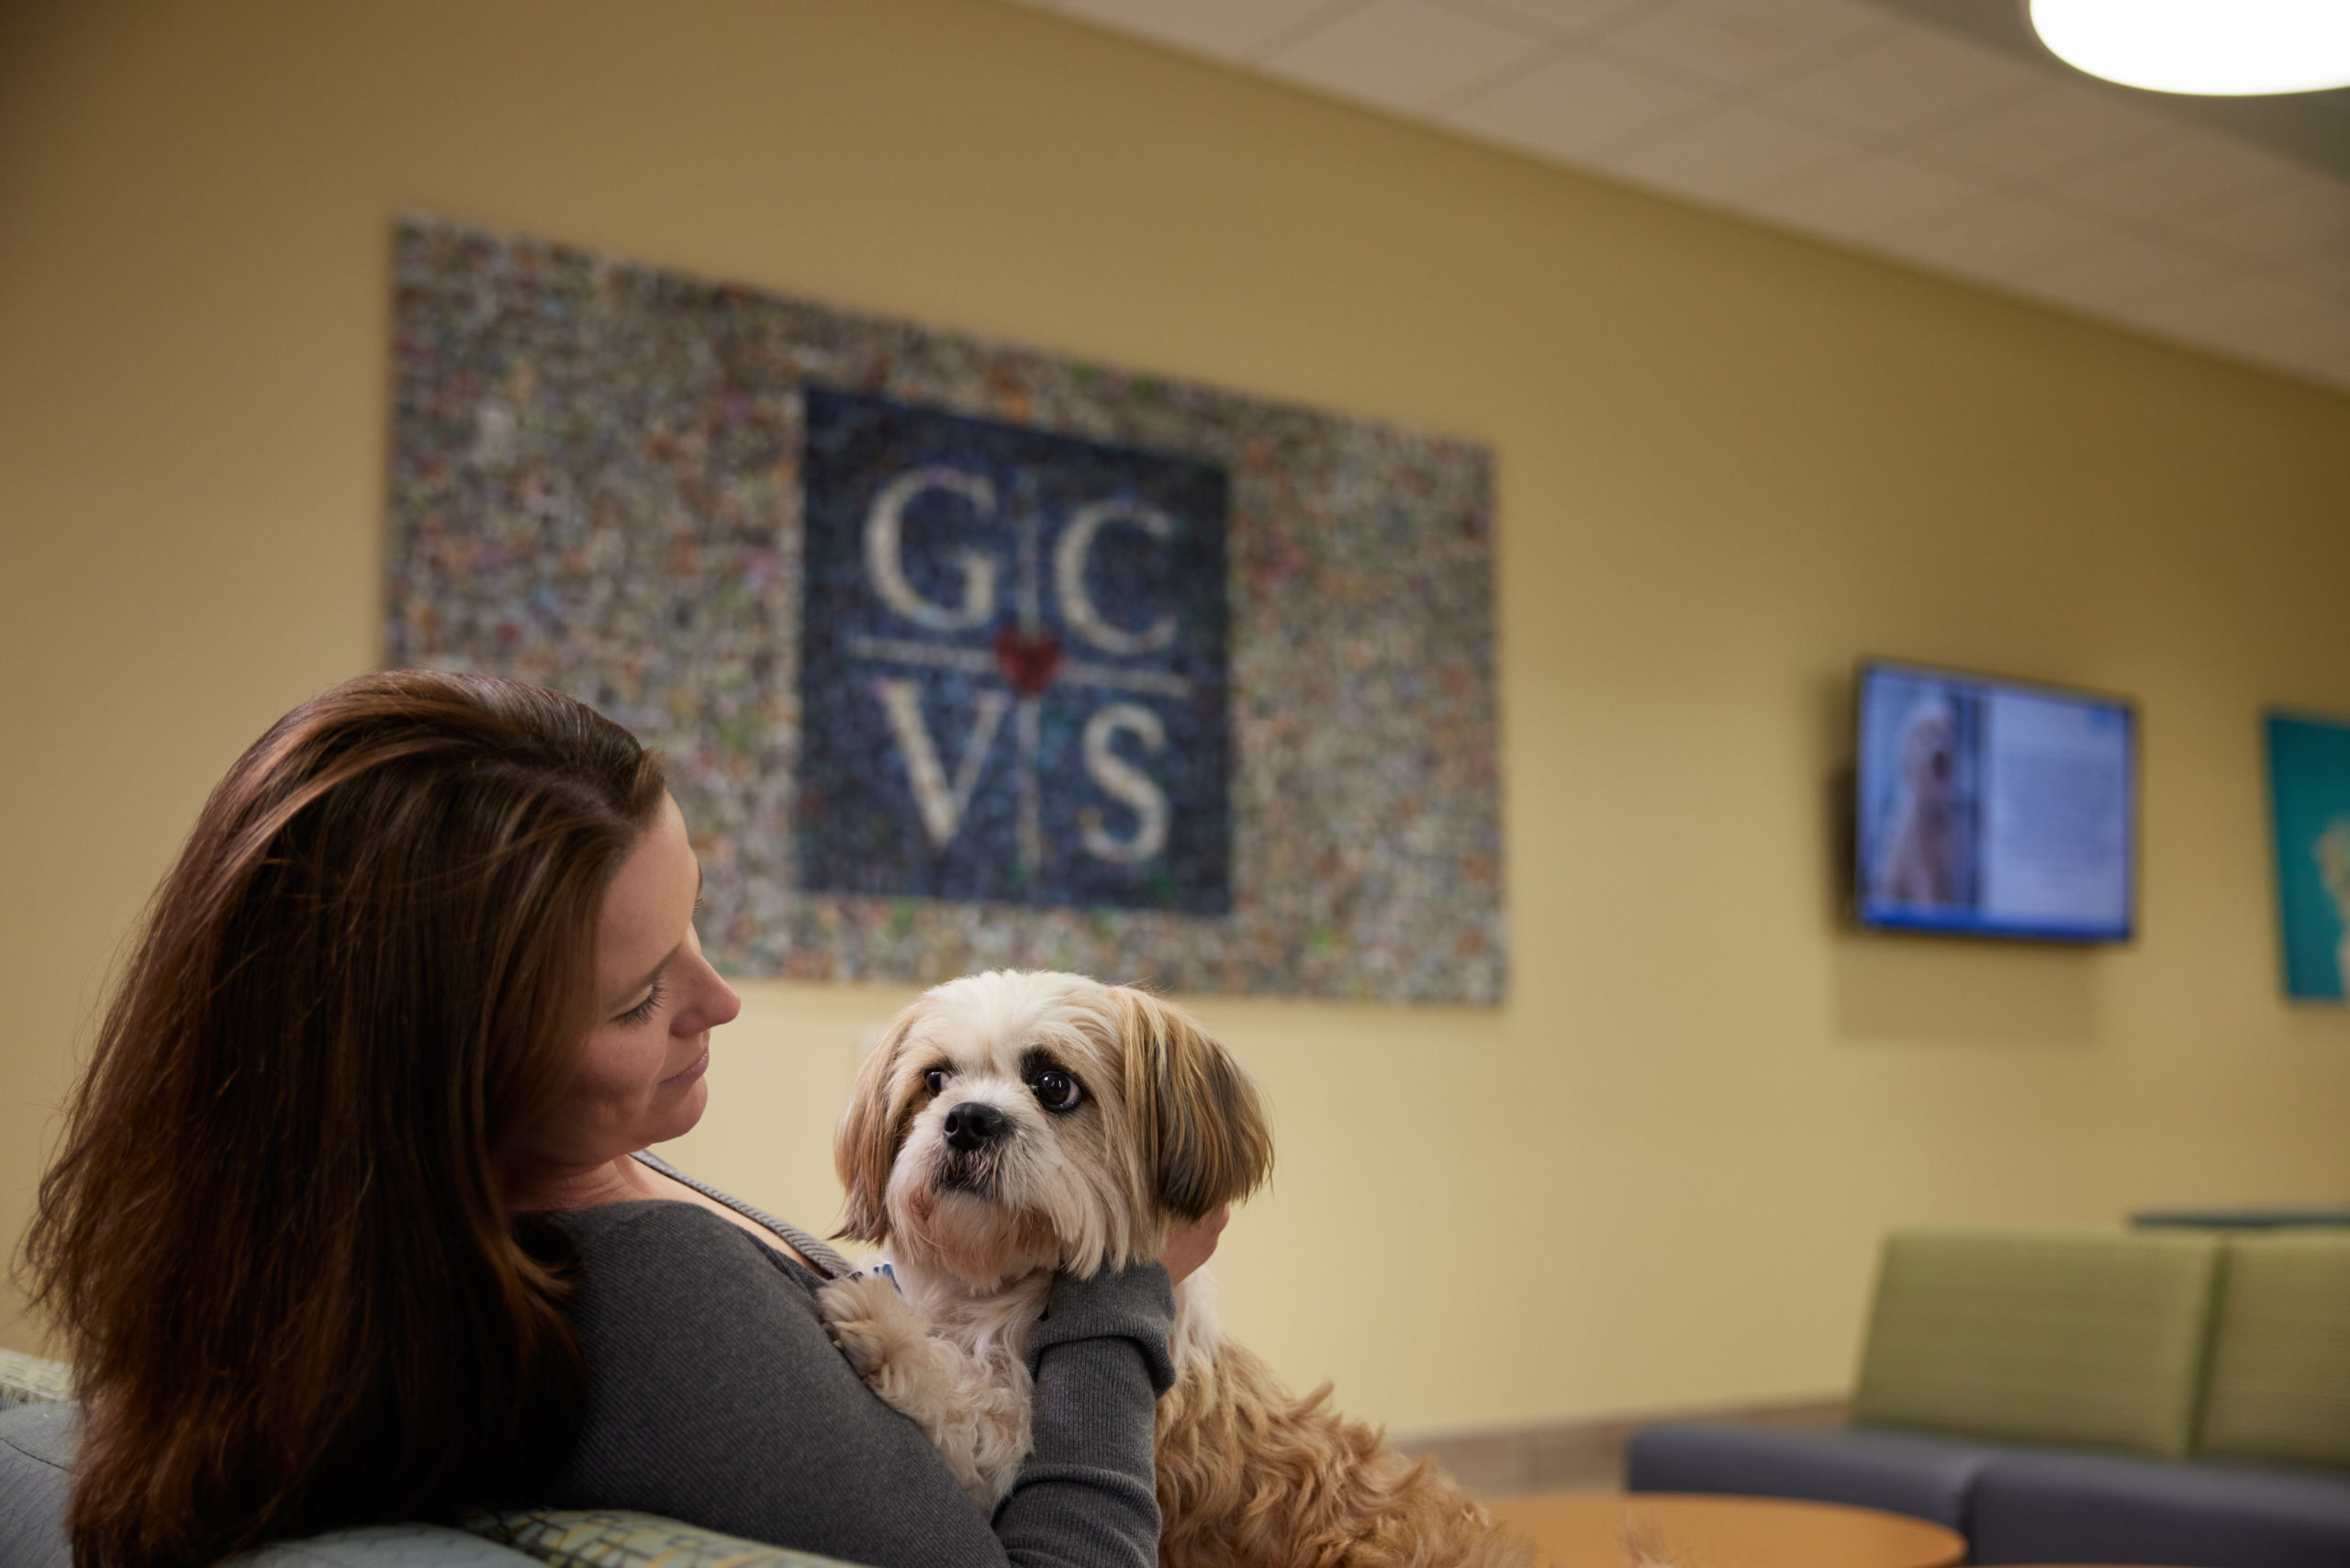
(2213,47)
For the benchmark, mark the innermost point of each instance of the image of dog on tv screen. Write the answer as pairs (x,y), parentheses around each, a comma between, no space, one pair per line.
(1920,820)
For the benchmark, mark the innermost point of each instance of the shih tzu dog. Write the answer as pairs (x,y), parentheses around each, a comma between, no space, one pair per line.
(1008,1125)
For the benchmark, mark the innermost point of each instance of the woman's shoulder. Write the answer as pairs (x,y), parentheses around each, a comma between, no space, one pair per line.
(665,1239)
(639,1215)
(662,1292)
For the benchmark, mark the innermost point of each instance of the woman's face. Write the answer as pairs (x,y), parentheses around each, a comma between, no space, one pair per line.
(641,1079)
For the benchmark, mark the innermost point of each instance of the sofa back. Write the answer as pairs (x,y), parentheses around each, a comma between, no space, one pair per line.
(39,1436)
(2096,1339)
(2280,1381)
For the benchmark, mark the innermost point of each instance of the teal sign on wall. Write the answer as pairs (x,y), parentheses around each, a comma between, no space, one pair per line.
(2309,774)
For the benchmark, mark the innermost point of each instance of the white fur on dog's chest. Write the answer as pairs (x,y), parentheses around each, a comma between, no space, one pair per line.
(992,1326)
(987,1327)
(967,1389)
(955,1361)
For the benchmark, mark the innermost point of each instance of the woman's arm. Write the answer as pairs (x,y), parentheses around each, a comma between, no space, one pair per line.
(1090,1477)
(716,1397)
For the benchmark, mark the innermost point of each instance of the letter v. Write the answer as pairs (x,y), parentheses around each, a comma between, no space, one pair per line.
(942,807)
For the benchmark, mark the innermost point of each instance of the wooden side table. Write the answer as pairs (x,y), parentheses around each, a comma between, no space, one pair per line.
(1610,1529)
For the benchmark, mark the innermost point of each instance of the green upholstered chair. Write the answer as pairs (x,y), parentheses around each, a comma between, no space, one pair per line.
(2088,1340)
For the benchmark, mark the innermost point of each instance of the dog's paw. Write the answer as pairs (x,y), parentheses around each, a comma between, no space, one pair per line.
(869,1321)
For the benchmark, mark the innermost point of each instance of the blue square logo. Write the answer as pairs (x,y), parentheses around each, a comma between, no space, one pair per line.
(1013,676)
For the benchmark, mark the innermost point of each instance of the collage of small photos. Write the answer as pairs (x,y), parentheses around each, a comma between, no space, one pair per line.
(964,655)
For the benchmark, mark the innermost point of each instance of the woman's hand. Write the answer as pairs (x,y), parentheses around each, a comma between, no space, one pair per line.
(1193,1243)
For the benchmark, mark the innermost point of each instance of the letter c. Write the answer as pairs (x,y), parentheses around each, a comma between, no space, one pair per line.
(1069,576)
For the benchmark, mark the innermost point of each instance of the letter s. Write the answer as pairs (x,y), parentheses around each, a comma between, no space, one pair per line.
(1124,783)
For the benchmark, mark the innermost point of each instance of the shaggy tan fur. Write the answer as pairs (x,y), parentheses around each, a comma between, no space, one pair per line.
(1165,1127)
(1250,1473)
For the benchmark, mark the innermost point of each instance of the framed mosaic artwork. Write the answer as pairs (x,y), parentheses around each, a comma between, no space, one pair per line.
(964,655)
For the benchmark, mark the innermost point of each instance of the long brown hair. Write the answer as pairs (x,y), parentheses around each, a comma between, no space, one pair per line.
(272,1235)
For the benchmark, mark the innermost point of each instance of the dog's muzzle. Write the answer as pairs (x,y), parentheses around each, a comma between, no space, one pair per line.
(971,1126)
(975,1136)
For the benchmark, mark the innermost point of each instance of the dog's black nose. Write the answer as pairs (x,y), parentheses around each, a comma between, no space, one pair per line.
(973,1125)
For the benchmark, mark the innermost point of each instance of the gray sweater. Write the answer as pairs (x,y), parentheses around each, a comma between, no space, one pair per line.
(716,1397)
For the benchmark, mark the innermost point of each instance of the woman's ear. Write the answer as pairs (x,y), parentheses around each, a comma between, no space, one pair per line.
(1210,1141)
(866,1143)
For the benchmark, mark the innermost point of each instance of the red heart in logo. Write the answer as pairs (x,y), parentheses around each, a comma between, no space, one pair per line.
(1029,661)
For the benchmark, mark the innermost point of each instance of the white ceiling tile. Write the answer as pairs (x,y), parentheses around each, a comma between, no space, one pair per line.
(2306,217)
(2178,176)
(2329,370)
(1846,121)
(2251,319)
(2323,333)
(1906,245)
(1732,155)
(1402,55)
(2328,278)
(1230,29)
(2322,354)
(2138,274)
(1564,21)
(2243,308)
(1572,107)
(2003,235)
(1868,197)
(1905,83)
(1728,43)
(2047,129)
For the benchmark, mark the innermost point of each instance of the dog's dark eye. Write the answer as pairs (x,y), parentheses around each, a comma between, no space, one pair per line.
(934,1081)
(1058,1091)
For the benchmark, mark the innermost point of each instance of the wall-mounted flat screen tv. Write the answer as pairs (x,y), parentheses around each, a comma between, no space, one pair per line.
(1993,808)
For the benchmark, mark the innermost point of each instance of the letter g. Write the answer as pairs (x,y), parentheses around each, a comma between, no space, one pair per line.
(884,559)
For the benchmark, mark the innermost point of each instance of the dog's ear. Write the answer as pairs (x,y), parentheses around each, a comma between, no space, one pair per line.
(1208,1140)
(866,1143)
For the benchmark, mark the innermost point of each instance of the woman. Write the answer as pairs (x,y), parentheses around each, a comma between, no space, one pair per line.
(346,1228)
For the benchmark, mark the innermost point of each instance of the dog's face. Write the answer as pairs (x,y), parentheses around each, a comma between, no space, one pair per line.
(1008,1122)
(1929,751)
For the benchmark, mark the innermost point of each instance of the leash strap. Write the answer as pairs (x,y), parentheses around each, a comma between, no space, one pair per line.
(829,1263)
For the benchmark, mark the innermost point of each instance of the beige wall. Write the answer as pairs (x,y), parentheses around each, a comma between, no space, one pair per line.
(1729,463)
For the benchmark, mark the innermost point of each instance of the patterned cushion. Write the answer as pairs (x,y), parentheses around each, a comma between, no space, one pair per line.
(2040,1338)
(599,1537)
(2280,1358)
(29,1380)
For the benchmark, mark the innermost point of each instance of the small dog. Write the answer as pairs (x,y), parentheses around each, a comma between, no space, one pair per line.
(1008,1125)
(1921,858)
